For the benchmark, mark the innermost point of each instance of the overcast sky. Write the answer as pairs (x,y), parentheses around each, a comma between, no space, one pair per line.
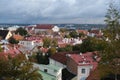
(53,11)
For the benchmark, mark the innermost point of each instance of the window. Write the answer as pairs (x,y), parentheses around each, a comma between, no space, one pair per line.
(55,70)
(83,71)
(45,70)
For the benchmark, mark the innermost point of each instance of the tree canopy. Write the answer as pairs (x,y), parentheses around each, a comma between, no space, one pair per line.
(21,31)
(18,68)
(110,56)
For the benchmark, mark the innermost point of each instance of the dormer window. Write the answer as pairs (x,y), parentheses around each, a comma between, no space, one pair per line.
(83,71)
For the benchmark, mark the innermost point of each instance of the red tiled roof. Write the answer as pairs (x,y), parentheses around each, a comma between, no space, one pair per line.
(44,26)
(95,31)
(84,59)
(83,31)
(18,37)
(61,56)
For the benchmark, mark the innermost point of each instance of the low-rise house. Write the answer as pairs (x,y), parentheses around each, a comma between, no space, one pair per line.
(50,69)
(46,28)
(95,33)
(30,44)
(5,34)
(82,64)
(85,32)
(10,50)
(60,59)
(69,41)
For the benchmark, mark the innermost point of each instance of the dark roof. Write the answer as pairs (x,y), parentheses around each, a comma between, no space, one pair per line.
(3,33)
(44,26)
(66,75)
(61,56)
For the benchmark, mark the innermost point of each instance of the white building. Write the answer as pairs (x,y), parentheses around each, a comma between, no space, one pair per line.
(46,28)
(50,69)
(56,63)
(30,44)
(83,72)
(81,64)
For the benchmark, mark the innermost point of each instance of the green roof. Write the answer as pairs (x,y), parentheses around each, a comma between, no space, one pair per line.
(47,76)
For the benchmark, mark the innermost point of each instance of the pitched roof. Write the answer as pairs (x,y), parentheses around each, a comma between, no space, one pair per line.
(44,26)
(61,56)
(3,33)
(84,59)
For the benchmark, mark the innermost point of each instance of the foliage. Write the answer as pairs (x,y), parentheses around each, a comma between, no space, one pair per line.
(51,51)
(92,44)
(81,35)
(54,43)
(64,49)
(73,34)
(21,31)
(48,42)
(63,30)
(1,49)
(42,58)
(77,47)
(110,56)
(18,68)
(13,41)
(112,21)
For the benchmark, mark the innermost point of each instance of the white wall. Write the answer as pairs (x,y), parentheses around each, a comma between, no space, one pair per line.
(30,44)
(40,30)
(83,76)
(55,29)
(57,74)
(8,35)
(56,63)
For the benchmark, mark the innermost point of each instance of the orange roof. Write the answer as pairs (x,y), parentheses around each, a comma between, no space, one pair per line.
(18,37)
(83,31)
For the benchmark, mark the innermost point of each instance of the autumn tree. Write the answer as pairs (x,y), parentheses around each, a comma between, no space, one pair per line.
(73,34)
(66,48)
(48,42)
(51,51)
(18,68)
(110,56)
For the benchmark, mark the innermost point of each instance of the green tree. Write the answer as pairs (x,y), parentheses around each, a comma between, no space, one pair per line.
(92,44)
(73,34)
(47,42)
(54,43)
(81,35)
(13,41)
(21,31)
(64,49)
(51,51)
(18,68)
(110,56)
(112,21)
(42,59)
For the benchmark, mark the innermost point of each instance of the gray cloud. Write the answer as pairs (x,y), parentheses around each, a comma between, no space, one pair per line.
(52,11)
